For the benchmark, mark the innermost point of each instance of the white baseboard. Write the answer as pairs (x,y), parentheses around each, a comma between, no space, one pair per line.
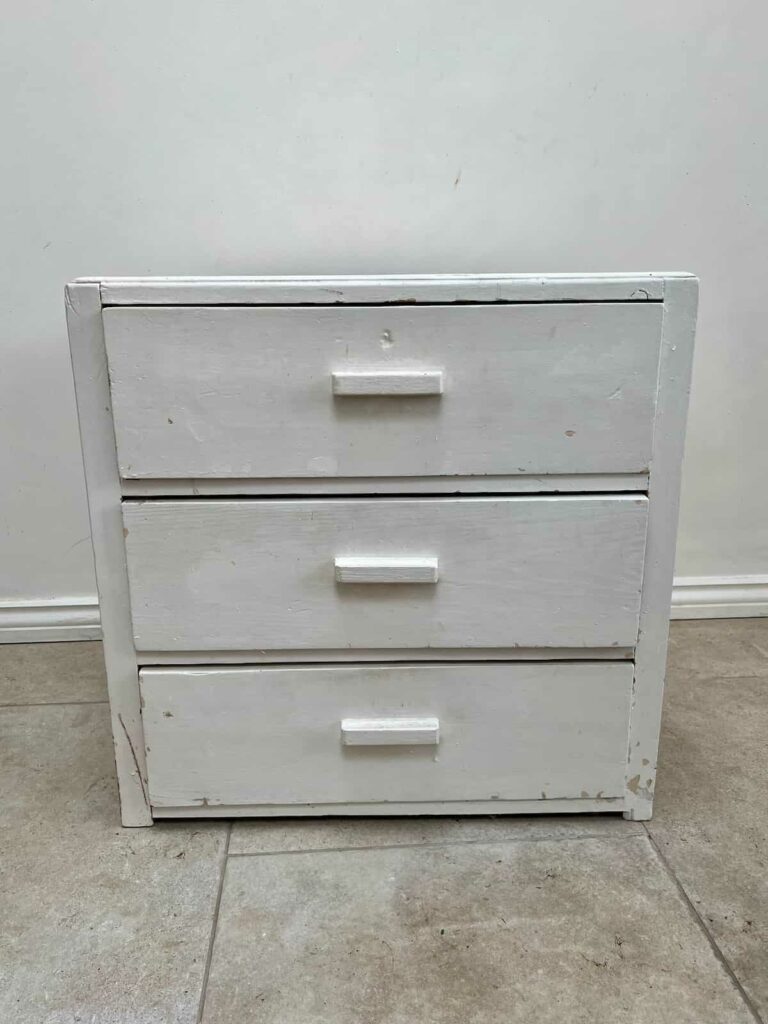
(67,618)
(719,597)
(77,618)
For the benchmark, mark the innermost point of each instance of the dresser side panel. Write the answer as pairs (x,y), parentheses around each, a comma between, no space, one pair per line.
(89,366)
(678,331)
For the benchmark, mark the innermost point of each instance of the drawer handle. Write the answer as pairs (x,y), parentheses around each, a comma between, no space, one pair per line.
(390,732)
(388,382)
(385,570)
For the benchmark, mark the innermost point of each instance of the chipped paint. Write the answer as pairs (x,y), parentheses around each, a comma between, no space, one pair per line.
(634,786)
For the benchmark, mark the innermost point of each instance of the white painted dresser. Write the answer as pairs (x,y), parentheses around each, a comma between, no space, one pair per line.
(384,545)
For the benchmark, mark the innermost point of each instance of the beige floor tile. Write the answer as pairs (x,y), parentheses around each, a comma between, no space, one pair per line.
(51,673)
(552,931)
(711,813)
(99,924)
(718,648)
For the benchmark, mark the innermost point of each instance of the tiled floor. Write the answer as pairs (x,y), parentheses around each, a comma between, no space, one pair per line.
(425,921)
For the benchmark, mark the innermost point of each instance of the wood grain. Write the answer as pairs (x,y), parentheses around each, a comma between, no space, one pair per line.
(228,574)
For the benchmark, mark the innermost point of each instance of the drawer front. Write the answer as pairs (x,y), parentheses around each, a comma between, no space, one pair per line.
(234,736)
(333,574)
(297,393)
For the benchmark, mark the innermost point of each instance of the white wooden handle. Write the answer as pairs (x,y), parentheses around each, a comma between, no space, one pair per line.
(388,382)
(370,569)
(386,732)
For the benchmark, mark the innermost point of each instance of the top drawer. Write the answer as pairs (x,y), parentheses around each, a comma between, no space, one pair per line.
(346,391)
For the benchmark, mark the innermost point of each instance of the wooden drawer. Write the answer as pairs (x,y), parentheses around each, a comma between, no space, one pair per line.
(261,736)
(380,574)
(376,392)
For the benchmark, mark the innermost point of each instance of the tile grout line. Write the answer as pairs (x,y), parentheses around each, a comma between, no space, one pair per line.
(719,955)
(54,704)
(442,845)
(214,925)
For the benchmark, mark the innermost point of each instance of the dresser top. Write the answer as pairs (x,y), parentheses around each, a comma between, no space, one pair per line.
(382,290)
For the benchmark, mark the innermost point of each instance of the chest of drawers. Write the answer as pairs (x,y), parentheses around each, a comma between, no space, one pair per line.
(383,545)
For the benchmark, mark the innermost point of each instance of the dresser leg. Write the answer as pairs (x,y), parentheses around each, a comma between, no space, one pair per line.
(641,811)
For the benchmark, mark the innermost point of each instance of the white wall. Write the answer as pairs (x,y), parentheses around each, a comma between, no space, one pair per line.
(193,137)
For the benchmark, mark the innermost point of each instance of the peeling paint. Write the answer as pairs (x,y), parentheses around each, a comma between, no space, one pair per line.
(633,784)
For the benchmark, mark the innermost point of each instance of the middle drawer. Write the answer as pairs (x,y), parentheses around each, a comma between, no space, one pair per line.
(389,573)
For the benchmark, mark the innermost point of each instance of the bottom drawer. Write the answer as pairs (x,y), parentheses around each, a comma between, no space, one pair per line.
(385,733)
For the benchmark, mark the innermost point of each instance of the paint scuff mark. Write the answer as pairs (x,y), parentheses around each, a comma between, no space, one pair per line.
(77,543)
(457,179)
